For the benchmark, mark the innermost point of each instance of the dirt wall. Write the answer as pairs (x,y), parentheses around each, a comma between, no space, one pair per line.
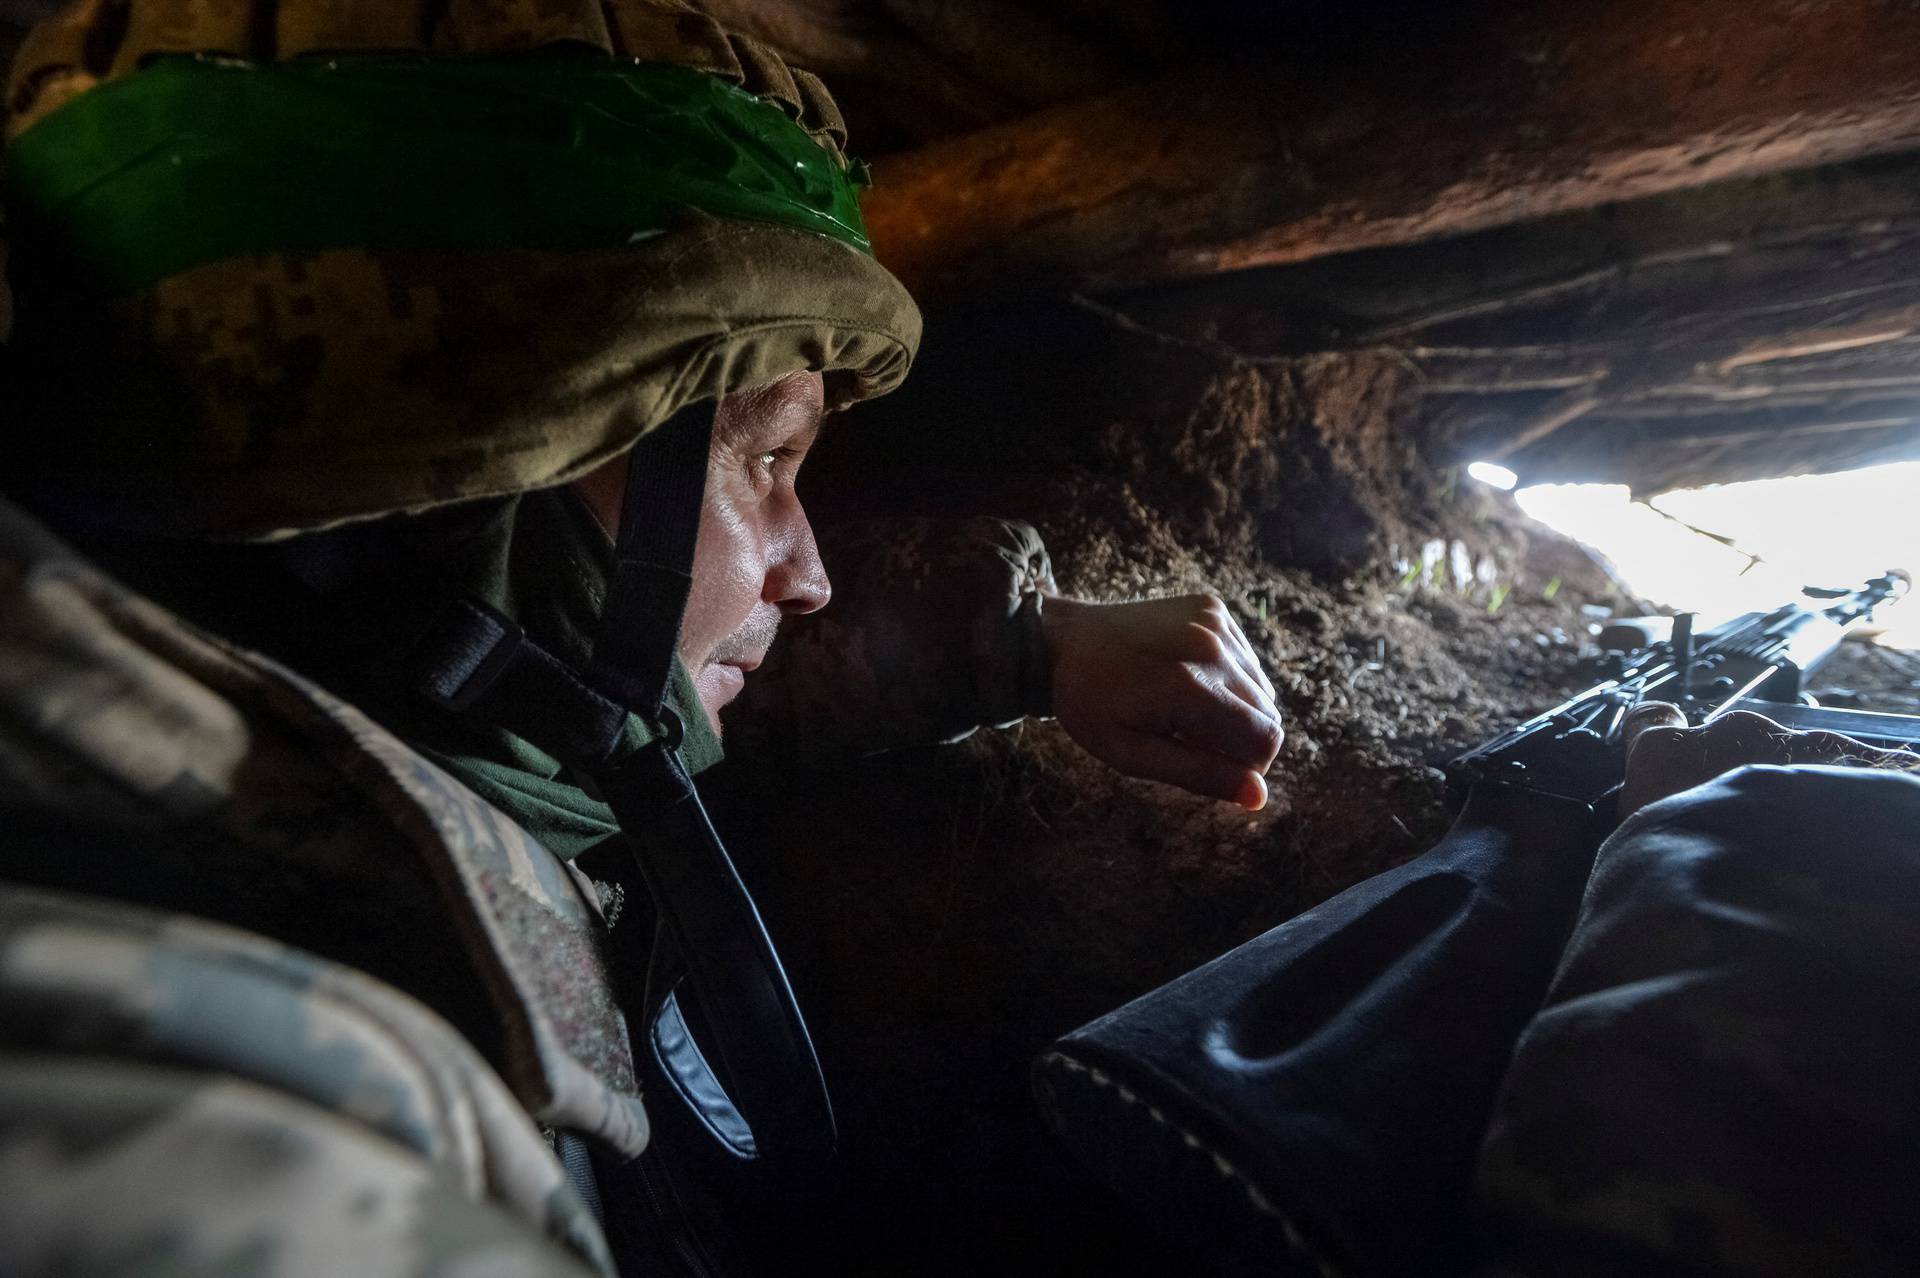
(947,911)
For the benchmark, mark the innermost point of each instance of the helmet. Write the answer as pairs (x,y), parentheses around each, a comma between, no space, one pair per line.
(285,265)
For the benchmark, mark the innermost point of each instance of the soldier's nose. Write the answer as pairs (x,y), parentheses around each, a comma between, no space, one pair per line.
(798,582)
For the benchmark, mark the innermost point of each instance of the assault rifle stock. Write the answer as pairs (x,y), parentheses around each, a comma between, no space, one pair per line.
(1759,661)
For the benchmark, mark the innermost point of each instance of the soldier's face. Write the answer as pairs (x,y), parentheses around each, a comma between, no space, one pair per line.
(756,559)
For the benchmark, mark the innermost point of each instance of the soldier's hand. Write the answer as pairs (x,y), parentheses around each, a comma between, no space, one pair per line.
(1167,690)
(1665,756)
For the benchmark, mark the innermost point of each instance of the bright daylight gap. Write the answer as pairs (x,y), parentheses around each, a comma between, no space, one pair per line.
(1732,548)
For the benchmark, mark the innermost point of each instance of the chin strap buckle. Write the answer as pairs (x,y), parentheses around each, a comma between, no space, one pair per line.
(668,730)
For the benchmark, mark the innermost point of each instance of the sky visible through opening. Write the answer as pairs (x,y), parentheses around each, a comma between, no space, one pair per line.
(1822,530)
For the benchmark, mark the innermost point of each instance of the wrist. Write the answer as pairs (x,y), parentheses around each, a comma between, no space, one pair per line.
(1055,619)
(1036,620)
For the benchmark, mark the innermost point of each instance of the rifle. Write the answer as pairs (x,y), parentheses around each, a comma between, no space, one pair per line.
(1312,1101)
(1759,661)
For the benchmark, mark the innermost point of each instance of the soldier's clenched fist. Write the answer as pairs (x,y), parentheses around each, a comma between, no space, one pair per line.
(1167,690)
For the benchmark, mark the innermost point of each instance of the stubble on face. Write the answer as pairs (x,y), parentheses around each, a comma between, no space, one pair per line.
(723,675)
(748,645)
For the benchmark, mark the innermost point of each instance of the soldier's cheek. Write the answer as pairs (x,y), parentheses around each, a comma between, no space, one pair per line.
(728,571)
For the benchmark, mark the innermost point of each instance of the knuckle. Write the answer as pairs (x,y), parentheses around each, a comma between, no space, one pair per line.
(1192,684)
(1258,734)
(1664,737)
(1204,645)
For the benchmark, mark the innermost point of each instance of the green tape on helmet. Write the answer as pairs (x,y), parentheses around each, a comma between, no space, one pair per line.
(196,159)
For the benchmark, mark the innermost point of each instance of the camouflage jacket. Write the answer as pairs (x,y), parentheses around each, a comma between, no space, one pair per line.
(363,1092)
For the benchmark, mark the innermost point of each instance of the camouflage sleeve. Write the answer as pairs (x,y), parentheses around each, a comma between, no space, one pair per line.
(181,1097)
(934,630)
(1722,1077)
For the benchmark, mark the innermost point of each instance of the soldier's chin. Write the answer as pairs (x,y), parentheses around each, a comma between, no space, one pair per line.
(717,684)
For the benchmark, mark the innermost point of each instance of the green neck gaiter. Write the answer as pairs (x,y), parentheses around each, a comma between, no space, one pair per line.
(549,572)
(538,557)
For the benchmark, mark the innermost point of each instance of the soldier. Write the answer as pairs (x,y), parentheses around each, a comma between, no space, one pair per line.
(461,357)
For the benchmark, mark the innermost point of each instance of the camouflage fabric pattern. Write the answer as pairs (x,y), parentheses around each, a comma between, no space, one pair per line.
(540,931)
(934,630)
(209,1175)
(280,392)
(140,759)
(293,391)
(95,40)
(207,1083)
(1722,1078)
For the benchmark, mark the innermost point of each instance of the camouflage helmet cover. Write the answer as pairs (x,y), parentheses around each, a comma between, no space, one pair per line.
(273,392)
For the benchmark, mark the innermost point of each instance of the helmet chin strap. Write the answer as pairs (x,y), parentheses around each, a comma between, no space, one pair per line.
(652,575)
(764,1099)
(771,1101)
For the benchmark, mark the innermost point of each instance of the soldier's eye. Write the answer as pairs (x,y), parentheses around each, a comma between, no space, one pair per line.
(774,462)
(765,468)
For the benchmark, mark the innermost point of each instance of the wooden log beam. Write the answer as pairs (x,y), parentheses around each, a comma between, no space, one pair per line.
(1568,406)
(1653,460)
(1543,107)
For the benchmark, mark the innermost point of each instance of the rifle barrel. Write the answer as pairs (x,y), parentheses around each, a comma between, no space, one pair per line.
(1575,751)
